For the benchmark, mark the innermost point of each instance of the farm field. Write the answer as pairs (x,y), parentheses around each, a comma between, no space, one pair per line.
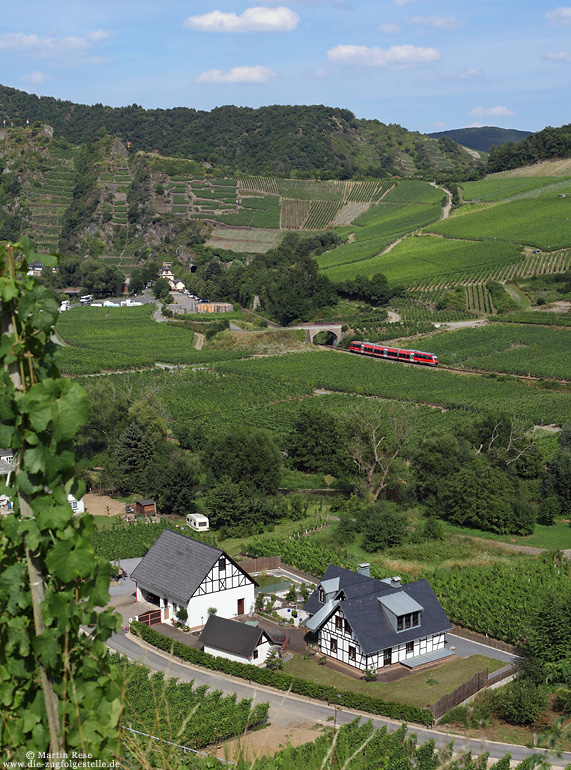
(254,212)
(496,188)
(543,222)
(244,239)
(193,400)
(420,259)
(347,373)
(374,231)
(107,339)
(535,350)
(414,191)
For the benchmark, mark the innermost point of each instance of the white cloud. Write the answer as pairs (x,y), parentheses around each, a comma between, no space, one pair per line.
(42,46)
(491,112)
(377,57)
(321,73)
(471,73)
(35,78)
(257,74)
(439,124)
(438,22)
(257,19)
(389,29)
(560,16)
(561,56)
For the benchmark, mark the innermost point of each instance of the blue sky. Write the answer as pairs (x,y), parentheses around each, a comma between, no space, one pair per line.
(426,64)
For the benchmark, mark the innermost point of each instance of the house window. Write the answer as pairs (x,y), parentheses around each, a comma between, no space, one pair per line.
(352,653)
(338,623)
(347,626)
(333,645)
(74,504)
(321,594)
(411,620)
(255,654)
(409,647)
(222,564)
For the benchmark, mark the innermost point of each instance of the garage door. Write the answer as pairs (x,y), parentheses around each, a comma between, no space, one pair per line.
(150,618)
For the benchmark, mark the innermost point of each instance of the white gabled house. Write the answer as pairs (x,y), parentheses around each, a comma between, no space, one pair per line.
(369,623)
(235,641)
(180,572)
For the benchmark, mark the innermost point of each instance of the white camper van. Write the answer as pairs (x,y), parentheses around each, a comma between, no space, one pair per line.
(198,522)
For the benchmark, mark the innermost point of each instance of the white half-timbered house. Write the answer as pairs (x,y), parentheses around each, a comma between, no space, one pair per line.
(179,572)
(370,623)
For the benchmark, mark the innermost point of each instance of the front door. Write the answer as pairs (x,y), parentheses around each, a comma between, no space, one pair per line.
(387,655)
(240,606)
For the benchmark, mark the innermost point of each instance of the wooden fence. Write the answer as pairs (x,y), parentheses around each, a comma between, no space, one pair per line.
(275,562)
(260,564)
(478,682)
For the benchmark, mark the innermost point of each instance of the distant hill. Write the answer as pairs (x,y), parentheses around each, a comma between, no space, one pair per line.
(302,141)
(549,144)
(482,139)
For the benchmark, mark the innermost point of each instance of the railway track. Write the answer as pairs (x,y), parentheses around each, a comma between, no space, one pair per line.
(460,369)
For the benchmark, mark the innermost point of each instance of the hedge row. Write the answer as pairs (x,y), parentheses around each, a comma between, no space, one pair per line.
(284,681)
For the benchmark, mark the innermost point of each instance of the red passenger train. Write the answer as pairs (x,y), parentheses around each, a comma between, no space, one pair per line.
(394,354)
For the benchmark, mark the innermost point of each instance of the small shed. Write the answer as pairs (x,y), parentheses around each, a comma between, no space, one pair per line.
(235,641)
(146,507)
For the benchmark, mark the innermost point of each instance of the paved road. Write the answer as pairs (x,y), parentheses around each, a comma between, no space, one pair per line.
(286,709)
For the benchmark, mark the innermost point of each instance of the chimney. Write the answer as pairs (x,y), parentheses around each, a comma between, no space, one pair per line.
(395,581)
(364,569)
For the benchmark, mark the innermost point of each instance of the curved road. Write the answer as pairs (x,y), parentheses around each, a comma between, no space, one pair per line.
(286,708)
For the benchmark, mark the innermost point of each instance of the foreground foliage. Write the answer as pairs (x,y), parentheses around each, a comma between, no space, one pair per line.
(56,685)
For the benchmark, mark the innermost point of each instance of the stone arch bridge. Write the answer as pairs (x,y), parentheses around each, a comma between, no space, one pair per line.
(311,330)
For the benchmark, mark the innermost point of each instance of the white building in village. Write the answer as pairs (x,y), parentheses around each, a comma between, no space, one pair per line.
(179,572)
(235,641)
(370,623)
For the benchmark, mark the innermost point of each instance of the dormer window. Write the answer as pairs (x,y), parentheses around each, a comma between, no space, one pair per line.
(321,594)
(410,620)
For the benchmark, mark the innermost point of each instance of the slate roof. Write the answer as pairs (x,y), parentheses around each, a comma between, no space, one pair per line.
(368,619)
(231,636)
(175,565)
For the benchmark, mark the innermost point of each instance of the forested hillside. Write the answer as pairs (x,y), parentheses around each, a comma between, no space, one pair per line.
(303,141)
(544,145)
(482,138)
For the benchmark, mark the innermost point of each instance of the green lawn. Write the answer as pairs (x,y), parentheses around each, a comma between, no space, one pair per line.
(414,690)
(555,538)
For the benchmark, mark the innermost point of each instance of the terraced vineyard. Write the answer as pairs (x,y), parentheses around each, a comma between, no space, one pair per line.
(533,264)
(48,198)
